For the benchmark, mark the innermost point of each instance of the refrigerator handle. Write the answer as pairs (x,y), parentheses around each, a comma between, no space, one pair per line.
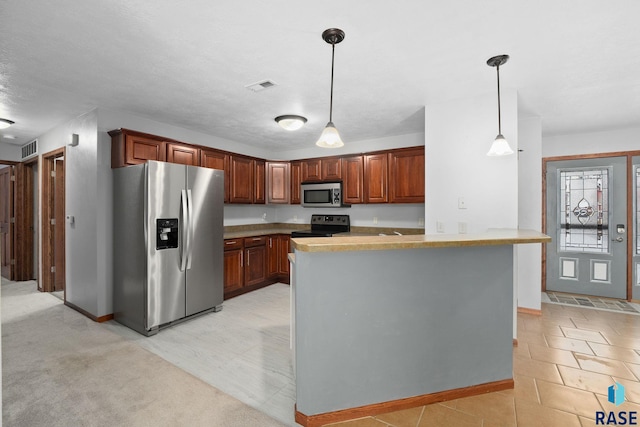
(190,230)
(185,230)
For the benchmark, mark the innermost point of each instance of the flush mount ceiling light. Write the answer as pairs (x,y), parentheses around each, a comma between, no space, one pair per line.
(5,123)
(330,138)
(500,146)
(291,121)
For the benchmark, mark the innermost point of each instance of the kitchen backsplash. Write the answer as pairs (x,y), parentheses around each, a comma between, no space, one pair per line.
(374,215)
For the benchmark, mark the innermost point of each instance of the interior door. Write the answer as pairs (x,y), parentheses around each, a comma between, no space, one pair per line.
(6,212)
(586,217)
(636,221)
(59,275)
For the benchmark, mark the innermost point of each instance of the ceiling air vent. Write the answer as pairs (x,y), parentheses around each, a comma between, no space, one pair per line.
(30,149)
(265,84)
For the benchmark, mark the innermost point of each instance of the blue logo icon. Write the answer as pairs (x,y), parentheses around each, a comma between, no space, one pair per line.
(616,394)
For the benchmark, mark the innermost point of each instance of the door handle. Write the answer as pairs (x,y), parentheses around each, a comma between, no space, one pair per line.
(618,239)
(185,230)
(190,229)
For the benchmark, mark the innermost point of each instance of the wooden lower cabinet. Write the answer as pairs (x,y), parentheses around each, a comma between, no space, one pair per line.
(254,262)
(278,257)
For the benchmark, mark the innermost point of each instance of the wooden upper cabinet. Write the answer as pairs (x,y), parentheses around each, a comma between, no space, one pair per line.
(331,168)
(406,175)
(311,170)
(241,179)
(278,182)
(259,182)
(183,153)
(296,179)
(376,178)
(217,160)
(353,180)
(131,148)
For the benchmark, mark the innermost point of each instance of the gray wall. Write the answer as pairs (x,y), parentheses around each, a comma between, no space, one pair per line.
(376,326)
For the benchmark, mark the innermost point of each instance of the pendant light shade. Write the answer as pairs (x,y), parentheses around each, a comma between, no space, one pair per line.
(500,146)
(330,138)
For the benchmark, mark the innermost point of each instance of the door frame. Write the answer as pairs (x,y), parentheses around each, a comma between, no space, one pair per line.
(47,213)
(12,216)
(630,225)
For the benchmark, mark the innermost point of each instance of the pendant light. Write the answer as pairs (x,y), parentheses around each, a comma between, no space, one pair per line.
(500,146)
(330,138)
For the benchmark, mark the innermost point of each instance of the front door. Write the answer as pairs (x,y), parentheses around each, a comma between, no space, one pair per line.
(586,217)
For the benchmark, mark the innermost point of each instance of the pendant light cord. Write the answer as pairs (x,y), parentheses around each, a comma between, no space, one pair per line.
(499,121)
(333,53)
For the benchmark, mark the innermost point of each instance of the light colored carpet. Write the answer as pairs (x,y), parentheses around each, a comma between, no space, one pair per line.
(59,368)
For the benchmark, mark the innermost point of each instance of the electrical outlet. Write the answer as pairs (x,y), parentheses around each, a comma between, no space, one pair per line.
(295,218)
(440,226)
(375,219)
(462,227)
(420,222)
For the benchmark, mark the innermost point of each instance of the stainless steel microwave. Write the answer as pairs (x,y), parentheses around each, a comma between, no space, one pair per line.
(321,195)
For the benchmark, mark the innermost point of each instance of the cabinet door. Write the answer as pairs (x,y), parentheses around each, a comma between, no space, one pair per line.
(331,169)
(217,160)
(406,176)
(258,188)
(283,248)
(296,179)
(233,270)
(311,170)
(255,269)
(139,149)
(353,180)
(273,253)
(183,154)
(376,178)
(241,180)
(278,186)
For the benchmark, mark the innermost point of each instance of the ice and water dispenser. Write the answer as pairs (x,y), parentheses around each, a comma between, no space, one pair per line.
(166,233)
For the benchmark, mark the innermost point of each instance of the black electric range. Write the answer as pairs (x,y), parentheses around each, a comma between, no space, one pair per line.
(325,226)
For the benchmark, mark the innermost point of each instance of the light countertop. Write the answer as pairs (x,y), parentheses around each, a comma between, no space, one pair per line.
(491,237)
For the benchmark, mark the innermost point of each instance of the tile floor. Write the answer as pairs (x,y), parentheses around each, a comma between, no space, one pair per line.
(563,365)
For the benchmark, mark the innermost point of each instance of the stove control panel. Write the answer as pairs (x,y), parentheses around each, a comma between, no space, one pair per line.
(330,219)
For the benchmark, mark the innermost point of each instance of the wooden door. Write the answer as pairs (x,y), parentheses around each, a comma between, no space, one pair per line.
(331,169)
(233,270)
(241,180)
(311,170)
(217,160)
(259,183)
(59,276)
(139,149)
(283,259)
(296,179)
(6,213)
(183,154)
(273,255)
(278,186)
(353,180)
(406,176)
(255,269)
(376,178)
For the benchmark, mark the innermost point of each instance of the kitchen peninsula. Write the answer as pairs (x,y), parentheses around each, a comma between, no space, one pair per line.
(384,323)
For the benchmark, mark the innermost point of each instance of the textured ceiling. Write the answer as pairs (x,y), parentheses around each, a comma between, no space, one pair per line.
(575,64)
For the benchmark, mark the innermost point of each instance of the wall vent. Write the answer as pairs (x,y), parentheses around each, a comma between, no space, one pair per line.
(30,149)
(265,84)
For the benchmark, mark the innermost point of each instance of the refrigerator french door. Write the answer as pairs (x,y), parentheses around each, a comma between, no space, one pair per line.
(168,244)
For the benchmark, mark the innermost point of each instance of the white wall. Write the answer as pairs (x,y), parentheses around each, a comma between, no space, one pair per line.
(529,257)
(458,135)
(10,152)
(85,287)
(627,139)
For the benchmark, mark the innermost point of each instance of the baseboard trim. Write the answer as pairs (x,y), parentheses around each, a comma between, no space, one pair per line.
(532,311)
(100,319)
(400,404)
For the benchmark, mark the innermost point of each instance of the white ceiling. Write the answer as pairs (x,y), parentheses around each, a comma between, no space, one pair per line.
(574,63)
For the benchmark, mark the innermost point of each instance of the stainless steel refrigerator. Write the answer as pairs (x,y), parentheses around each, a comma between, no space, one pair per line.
(168,244)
